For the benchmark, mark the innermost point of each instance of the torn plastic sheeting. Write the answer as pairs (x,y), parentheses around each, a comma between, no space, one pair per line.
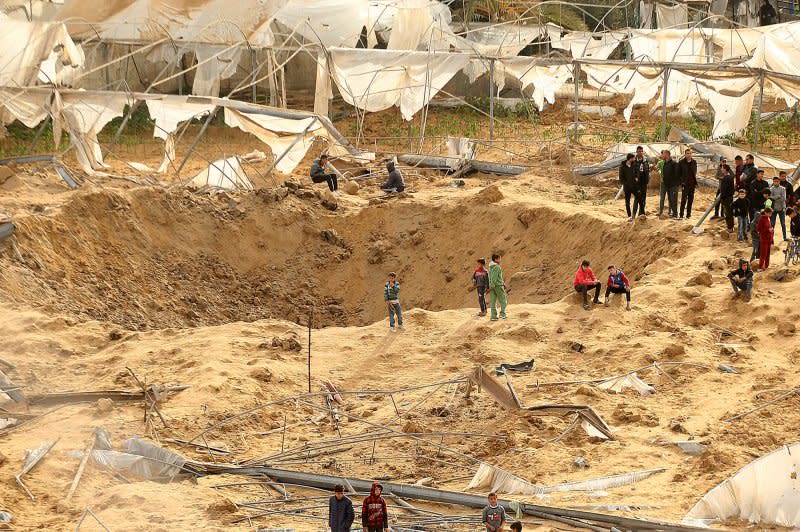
(168,113)
(675,16)
(501,40)
(765,491)
(215,63)
(374,80)
(462,147)
(226,174)
(288,139)
(330,22)
(25,45)
(623,382)
(30,108)
(501,481)
(84,116)
(421,25)
(546,80)
(142,459)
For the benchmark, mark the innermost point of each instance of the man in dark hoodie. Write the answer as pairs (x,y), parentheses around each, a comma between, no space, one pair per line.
(741,210)
(757,187)
(742,280)
(687,170)
(374,517)
(340,511)
(726,196)
(318,174)
(669,182)
(642,168)
(749,171)
(627,178)
(395,181)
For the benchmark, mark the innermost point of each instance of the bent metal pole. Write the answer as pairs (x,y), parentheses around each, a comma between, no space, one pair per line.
(405,491)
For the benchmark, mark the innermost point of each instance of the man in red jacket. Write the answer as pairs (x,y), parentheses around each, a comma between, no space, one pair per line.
(585,281)
(765,236)
(374,516)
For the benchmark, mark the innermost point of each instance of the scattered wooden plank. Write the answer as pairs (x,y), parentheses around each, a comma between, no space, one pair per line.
(79,473)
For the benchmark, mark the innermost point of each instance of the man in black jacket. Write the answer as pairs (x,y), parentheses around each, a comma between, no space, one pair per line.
(340,511)
(742,280)
(627,177)
(642,168)
(687,170)
(749,171)
(726,186)
(670,181)
(757,187)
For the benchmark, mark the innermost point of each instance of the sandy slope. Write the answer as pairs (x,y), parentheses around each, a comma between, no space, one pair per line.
(106,254)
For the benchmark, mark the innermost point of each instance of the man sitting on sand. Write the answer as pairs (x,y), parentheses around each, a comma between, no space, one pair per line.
(585,281)
(742,280)
(617,284)
(395,181)
(318,174)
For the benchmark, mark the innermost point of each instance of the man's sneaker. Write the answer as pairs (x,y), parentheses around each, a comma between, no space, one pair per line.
(402,328)
(503,317)
(607,301)
(628,307)
(391,329)
(493,319)
(586,306)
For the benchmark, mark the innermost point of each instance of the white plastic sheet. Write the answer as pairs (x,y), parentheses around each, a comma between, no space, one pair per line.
(289,140)
(674,16)
(226,174)
(765,491)
(375,80)
(168,113)
(331,22)
(546,80)
(30,108)
(215,63)
(623,382)
(25,45)
(143,459)
(421,25)
(85,115)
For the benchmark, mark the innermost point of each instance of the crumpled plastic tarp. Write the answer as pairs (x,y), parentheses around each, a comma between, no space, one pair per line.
(144,460)
(765,491)
(226,174)
(623,382)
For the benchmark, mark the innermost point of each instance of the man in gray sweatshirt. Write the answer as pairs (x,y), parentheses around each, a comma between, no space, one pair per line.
(777,194)
(395,181)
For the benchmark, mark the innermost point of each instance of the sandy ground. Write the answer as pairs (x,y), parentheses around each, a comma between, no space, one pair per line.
(214,292)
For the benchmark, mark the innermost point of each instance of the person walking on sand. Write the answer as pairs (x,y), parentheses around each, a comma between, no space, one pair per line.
(777,194)
(687,170)
(318,174)
(617,283)
(494,515)
(497,288)
(374,517)
(627,178)
(740,208)
(742,280)
(480,282)
(642,168)
(765,237)
(391,294)
(340,511)
(585,281)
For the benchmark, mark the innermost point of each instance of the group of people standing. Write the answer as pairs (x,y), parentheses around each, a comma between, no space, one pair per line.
(634,175)
(375,517)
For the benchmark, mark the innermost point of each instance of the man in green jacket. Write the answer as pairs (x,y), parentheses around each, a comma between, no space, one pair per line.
(497,288)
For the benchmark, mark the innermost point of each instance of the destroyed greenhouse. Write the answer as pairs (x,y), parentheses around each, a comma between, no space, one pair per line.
(208,210)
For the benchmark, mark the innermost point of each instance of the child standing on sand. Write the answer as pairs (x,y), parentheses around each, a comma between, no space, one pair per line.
(391,295)
(480,282)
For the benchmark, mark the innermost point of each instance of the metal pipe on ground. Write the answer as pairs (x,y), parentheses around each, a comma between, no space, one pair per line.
(461,499)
